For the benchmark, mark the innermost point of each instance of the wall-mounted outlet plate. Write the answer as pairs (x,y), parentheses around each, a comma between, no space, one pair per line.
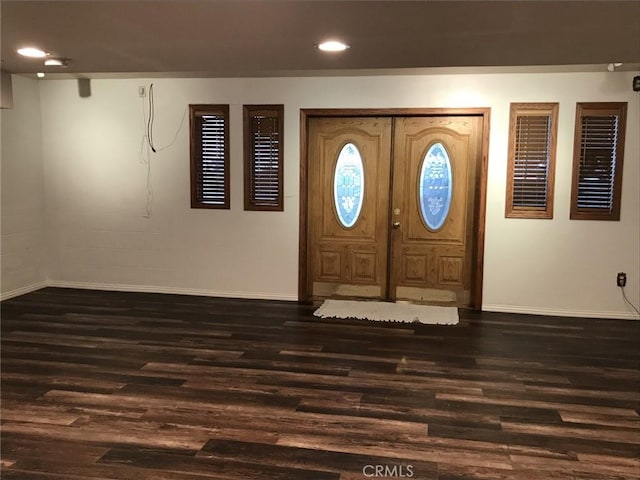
(621,279)
(142,91)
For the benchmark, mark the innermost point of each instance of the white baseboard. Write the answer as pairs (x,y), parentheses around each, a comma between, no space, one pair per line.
(172,290)
(22,290)
(556,312)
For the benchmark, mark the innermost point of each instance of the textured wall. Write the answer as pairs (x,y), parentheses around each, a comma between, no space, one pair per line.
(23,226)
(96,193)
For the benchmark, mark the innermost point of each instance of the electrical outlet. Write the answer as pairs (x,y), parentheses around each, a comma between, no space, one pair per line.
(621,279)
(141,91)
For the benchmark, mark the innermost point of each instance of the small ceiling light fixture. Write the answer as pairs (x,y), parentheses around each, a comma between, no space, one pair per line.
(333,46)
(55,62)
(40,75)
(32,52)
(612,66)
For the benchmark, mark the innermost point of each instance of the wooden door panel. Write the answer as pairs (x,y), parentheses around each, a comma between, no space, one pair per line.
(348,261)
(434,265)
(423,262)
(431,266)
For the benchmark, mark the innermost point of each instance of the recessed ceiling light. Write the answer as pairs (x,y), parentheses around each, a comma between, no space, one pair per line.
(333,46)
(32,52)
(55,62)
(40,75)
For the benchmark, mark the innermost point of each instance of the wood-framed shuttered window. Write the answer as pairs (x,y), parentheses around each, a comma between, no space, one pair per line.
(598,153)
(263,157)
(533,130)
(209,127)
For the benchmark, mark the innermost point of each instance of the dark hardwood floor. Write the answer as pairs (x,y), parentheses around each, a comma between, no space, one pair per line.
(106,385)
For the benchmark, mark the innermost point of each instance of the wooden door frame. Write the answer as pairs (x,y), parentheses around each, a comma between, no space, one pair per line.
(480,213)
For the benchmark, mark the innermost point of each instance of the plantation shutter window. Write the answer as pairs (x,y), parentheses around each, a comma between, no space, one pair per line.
(263,155)
(531,162)
(209,125)
(597,161)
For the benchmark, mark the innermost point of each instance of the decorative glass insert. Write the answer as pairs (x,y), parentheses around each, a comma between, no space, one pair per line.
(348,185)
(435,187)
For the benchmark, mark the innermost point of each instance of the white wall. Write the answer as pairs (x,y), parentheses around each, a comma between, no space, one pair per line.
(23,229)
(97,193)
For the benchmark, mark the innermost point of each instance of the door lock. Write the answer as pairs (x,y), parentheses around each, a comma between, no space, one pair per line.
(396,224)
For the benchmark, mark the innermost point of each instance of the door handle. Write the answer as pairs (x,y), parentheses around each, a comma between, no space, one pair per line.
(396,224)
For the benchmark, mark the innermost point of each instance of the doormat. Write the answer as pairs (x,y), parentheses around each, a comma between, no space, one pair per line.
(388,312)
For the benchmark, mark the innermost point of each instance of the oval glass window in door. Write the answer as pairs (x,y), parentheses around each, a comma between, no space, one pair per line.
(435,186)
(348,185)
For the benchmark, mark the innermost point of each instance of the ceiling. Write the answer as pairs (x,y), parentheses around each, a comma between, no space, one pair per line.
(278,37)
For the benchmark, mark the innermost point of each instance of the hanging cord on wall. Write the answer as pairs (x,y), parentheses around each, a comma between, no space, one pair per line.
(175,137)
(147,146)
(627,301)
(152,114)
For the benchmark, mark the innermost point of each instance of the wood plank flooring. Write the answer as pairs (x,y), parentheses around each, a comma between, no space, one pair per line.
(107,385)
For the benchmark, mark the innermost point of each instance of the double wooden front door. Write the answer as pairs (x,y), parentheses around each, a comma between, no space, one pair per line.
(391,207)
